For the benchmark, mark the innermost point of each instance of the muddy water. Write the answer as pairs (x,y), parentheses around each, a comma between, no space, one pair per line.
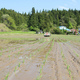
(54,67)
(72,60)
(8,64)
(31,69)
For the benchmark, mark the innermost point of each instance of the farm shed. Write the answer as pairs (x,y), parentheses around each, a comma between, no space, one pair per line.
(74,31)
(64,28)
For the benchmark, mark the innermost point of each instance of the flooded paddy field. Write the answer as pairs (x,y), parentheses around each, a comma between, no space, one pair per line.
(35,57)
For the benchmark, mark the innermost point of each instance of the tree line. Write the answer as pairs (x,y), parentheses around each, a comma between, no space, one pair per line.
(40,20)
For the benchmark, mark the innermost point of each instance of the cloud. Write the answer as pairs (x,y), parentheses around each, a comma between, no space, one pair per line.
(74,1)
(62,7)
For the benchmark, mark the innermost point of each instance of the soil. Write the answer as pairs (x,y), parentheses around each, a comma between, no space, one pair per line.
(24,61)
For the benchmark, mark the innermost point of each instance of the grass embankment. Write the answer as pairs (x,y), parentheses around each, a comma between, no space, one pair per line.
(18,37)
(18,32)
(4,28)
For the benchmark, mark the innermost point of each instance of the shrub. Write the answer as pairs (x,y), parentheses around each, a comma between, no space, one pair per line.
(55,31)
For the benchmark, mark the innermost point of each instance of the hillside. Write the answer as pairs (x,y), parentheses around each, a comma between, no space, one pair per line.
(3,28)
(40,20)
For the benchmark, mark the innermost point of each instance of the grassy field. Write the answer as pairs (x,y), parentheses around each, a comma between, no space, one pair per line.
(18,32)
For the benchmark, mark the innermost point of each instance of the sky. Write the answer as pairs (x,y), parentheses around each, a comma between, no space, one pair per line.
(23,6)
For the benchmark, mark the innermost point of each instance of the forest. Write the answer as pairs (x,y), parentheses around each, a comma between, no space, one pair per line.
(45,20)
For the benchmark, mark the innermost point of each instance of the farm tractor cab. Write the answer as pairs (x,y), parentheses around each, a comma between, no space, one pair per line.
(47,34)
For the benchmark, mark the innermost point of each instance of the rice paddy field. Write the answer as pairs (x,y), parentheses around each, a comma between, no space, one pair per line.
(30,56)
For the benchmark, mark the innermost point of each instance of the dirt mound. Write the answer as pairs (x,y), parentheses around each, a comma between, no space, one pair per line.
(4,28)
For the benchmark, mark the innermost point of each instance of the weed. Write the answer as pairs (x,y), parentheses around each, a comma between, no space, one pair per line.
(1,49)
(44,61)
(38,50)
(19,48)
(65,61)
(15,69)
(42,66)
(69,72)
(23,61)
(18,53)
(68,67)
(63,55)
(38,78)
(34,53)
(6,78)
(30,55)
(74,52)
(65,64)
(77,55)
(40,70)
(19,64)
(0,54)
(9,56)
(71,78)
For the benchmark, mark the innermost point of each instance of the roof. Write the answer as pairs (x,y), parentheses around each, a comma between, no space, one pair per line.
(64,27)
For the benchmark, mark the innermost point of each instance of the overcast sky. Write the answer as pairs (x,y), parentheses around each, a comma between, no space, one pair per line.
(23,6)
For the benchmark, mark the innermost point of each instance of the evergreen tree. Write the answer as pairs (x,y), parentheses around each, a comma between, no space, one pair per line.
(42,20)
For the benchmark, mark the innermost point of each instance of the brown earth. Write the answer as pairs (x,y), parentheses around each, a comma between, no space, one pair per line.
(25,61)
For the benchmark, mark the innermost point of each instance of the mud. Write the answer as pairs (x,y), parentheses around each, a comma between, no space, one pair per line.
(26,61)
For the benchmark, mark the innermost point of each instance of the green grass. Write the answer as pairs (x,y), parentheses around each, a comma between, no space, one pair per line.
(18,37)
(18,32)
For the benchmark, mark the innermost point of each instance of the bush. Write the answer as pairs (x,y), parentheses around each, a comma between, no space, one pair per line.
(31,28)
(55,31)
(63,31)
(22,27)
(37,30)
(8,21)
